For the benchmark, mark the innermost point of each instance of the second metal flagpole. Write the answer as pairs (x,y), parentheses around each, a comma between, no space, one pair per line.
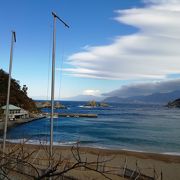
(8,91)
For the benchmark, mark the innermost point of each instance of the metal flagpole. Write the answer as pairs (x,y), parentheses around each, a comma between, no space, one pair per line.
(52,87)
(53,79)
(8,92)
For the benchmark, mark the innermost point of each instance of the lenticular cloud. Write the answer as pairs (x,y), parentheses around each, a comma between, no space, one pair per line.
(151,53)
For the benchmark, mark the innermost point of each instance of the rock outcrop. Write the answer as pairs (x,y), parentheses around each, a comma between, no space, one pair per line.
(174,104)
(95,104)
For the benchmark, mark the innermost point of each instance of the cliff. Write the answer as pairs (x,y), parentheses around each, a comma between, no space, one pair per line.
(18,95)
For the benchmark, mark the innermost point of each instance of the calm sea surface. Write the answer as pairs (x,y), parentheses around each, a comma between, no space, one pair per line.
(149,128)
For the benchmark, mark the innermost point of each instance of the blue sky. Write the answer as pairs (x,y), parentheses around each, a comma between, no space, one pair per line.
(95,25)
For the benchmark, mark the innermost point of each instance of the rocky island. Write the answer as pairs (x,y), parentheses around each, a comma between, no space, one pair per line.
(174,104)
(95,104)
(47,104)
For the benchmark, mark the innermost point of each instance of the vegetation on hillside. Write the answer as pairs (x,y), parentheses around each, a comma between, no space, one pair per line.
(18,95)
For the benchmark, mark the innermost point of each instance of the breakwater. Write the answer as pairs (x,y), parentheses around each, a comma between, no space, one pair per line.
(74,115)
(18,122)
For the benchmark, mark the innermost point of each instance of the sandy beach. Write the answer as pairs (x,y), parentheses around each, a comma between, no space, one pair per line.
(160,166)
(146,162)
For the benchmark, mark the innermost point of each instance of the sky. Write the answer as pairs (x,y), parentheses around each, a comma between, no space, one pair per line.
(110,45)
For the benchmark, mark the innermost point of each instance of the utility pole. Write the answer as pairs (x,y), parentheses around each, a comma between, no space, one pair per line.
(53,78)
(13,40)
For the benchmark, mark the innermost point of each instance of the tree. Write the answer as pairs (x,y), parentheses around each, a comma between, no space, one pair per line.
(1,113)
(24,89)
(18,95)
(25,163)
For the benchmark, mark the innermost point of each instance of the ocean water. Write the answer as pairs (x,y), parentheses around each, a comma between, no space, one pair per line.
(151,128)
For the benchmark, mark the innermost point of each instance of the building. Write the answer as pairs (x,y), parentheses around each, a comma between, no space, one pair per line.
(15,112)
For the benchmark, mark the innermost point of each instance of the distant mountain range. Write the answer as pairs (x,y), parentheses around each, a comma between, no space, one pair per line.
(84,98)
(155,98)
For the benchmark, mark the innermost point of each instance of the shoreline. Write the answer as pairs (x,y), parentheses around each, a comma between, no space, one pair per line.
(115,150)
(147,163)
(170,158)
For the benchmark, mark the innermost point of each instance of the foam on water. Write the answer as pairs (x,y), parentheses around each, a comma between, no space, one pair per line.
(41,142)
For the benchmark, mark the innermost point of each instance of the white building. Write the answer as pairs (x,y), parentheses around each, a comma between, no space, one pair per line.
(16,112)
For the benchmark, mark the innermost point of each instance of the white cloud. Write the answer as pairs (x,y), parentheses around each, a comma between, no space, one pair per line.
(161,1)
(92,92)
(151,53)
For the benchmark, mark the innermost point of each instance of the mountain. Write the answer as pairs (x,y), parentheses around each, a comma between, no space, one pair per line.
(155,98)
(18,95)
(84,98)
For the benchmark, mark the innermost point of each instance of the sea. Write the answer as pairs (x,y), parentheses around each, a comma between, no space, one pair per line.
(135,127)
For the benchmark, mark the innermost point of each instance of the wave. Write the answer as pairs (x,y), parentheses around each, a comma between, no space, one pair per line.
(45,141)
(172,153)
(41,142)
(81,106)
(88,144)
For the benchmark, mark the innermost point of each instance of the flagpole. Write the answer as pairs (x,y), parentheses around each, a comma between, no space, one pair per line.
(13,39)
(53,79)
(52,86)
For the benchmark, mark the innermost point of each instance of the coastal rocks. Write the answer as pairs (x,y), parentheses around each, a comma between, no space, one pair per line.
(174,104)
(43,104)
(95,104)
(104,105)
(58,105)
(47,104)
(91,104)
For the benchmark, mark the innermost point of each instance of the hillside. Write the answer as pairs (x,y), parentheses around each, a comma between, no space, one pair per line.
(18,95)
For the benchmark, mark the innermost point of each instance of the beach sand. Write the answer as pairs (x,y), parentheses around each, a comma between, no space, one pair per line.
(149,164)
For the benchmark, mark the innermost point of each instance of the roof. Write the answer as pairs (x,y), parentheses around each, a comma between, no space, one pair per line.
(11,107)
